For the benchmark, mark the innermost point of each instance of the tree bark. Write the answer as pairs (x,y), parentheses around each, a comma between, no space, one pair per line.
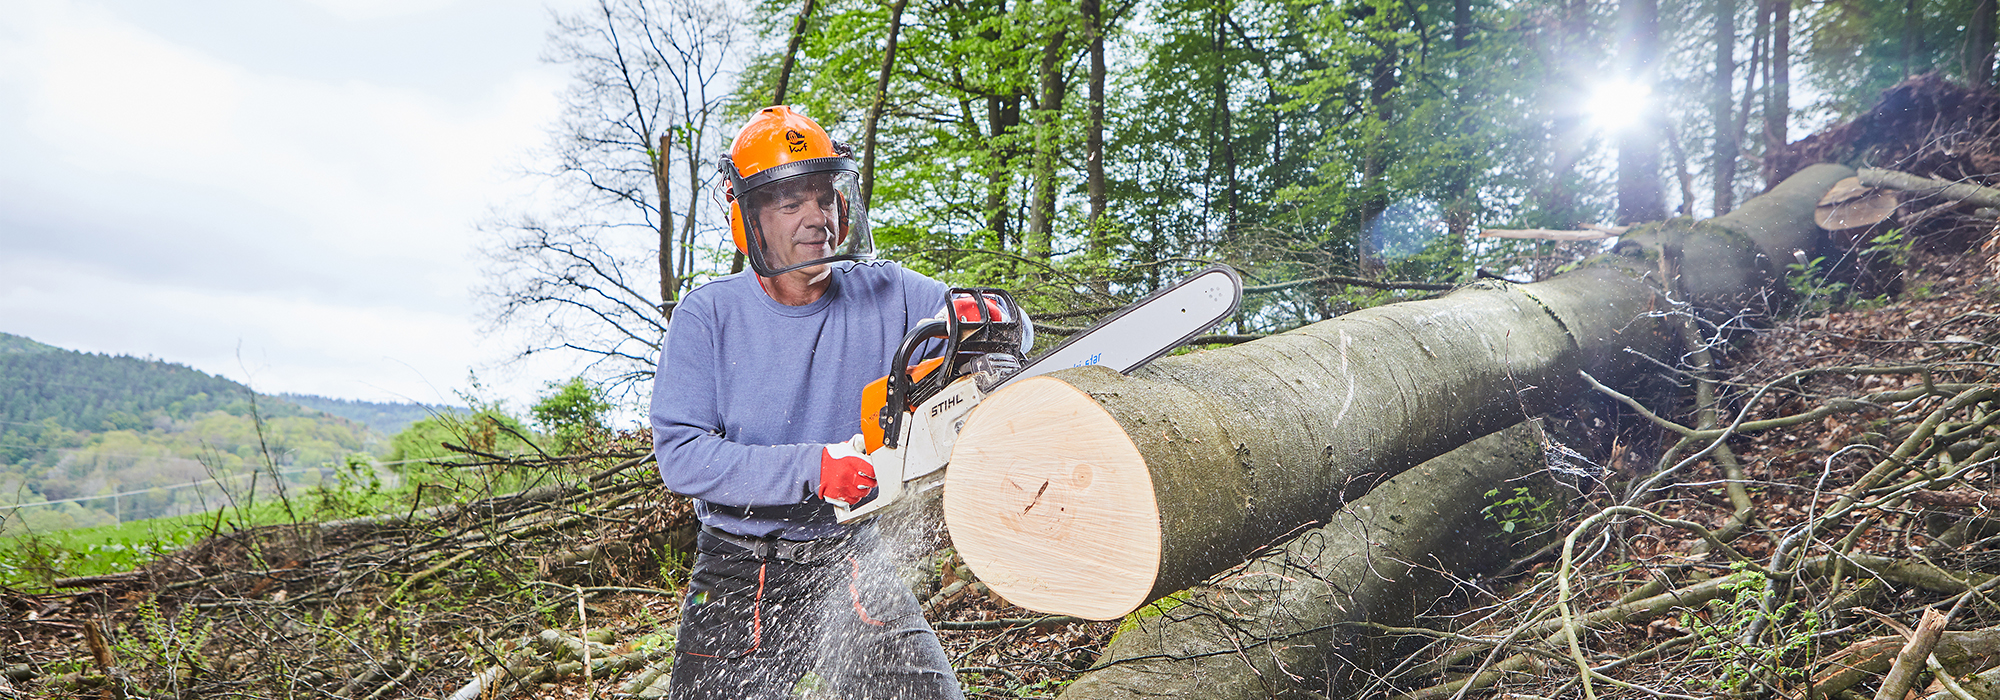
(1722,104)
(1040,241)
(1093,147)
(1274,628)
(791,53)
(1003,117)
(1090,493)
(1778,89)
(875,108)
(669,282)
(1979,39)
(1927,187)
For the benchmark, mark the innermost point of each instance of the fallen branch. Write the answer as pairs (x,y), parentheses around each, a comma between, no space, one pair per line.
(1006,623)
(551,658)
(1958,191)
(1910,661)
(1587,233)
(1873,656)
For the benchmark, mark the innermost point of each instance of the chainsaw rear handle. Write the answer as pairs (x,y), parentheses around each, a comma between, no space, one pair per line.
(901,387)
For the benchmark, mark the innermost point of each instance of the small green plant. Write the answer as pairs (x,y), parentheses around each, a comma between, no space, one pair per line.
(1788,634)
(1918,291)
(1520,512)
(1870,303)
(174,644)
(1890,245)
(1807,280)
(675,566)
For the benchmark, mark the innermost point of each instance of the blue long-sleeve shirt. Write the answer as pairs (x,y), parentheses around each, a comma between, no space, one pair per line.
(749,391)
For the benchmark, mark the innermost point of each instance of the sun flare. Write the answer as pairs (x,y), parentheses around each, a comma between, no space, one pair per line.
(1616,105)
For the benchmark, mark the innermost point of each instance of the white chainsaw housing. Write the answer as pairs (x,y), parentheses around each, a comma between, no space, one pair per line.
(1124,341)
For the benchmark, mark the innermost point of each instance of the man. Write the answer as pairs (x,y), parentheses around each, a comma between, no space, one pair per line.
(758,392)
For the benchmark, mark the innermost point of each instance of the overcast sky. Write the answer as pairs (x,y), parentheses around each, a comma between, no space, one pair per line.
(282,192)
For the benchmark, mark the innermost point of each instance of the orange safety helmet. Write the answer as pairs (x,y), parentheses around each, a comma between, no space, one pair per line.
(793,195)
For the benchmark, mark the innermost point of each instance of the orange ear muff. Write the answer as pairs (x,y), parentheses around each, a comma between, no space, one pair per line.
(736,227)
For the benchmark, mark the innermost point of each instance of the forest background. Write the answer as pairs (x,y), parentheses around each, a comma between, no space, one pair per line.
(1085,153)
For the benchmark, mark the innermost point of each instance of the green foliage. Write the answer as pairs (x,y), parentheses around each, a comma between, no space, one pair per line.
(1789,635)
(1520,512)
(1858,48)
(1891,246)
(170,645)
(47,395)
(572,413)
(1815,294)
(356,489)
(487,430)
(33,560)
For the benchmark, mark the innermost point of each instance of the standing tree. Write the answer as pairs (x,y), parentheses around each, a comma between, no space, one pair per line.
(632,153)
(1640,197)
(1722,100)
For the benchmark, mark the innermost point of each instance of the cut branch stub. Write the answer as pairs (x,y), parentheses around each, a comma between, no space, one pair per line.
(1851,204)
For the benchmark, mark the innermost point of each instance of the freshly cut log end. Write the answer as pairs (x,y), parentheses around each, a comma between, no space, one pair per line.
(1052,504)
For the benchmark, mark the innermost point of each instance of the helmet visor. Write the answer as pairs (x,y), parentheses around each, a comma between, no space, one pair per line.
(806,220)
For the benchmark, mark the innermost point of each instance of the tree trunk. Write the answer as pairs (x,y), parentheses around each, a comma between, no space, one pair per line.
(1382,85)
(1279,633)
(1090,493)
(875,108)
(791,53)
(1640,197)
(1911,46)
(1461,24)
(1003,116)
(1040,241)
(1979,44)
(1722,105)
(1224,120)
(1093,147)
(669,282)
(1778,104)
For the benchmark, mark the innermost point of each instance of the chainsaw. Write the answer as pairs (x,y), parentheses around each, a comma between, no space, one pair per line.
(910,419)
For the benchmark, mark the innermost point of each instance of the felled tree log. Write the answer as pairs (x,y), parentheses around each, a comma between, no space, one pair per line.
(1273,628)
(1090,493)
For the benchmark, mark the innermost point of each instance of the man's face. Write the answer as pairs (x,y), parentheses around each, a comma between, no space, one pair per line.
(800,221)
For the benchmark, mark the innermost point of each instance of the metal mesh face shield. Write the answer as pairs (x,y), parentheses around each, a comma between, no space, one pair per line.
(804,214)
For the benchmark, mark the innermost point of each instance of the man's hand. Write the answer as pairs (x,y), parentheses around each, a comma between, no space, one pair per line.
(845,474)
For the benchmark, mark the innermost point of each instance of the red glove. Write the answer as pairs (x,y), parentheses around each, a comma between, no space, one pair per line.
(845,474)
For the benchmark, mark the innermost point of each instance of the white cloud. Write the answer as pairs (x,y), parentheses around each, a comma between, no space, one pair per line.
(361,10)
(274,343)
(162,194)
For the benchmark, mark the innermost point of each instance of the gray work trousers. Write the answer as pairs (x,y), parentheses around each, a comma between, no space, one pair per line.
(825,619)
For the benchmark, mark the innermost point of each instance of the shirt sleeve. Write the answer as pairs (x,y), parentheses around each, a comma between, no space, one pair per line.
(926,297)
(696,456)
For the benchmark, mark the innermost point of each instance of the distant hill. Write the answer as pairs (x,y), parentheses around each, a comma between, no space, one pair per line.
(16,344)
(77,425)
(43,386)
(384,418)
